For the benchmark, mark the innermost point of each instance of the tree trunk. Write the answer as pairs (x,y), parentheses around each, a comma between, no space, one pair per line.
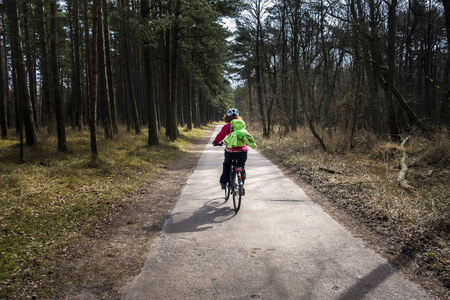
(77,98)
(284,71)
(72,115)
(47,100)
(258,68)
(446,80)
(379,119)
(392,120)
(25,106)
(195,107)
(296,63)
(250,96)
(59,112)
(166,81)
(93,86)
(3,106)
(172,115)
(103,91)
(30,62)
(112,94)
(88,58)
(153,139)
(180,101)
(188,104)
(129,79)
(5,74)
(355,80)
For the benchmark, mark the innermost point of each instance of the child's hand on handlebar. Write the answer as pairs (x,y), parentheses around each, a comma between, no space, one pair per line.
(218,144)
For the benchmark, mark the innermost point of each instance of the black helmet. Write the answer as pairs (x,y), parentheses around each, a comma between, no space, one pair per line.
(232,112)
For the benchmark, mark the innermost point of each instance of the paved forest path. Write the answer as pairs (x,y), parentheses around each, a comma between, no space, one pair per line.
(281,245)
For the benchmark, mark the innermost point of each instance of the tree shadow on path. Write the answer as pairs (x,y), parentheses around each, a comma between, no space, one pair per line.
(200,220)
(377,276)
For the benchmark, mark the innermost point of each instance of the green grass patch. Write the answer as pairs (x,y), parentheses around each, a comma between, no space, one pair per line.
(53,197)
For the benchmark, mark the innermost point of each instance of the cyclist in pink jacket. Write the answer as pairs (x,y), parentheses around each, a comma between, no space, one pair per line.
(238,153)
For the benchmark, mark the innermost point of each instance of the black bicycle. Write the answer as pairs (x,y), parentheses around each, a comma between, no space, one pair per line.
(235,185)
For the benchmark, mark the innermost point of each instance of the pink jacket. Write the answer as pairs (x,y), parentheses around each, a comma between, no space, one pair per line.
(223,133)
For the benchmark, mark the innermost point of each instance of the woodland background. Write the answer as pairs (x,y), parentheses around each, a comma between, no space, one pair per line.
(378,65)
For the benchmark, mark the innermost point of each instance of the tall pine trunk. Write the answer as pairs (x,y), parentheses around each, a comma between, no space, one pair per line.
(172,114)
(446,95)
(103,91)
(24,102)
(47,100)
(88,58)
(112,94)
(59,111)
(77,97)
(129,79)
(153,139)
(93,81)
(166,82)
(3,106)
(30,61)
(188,103)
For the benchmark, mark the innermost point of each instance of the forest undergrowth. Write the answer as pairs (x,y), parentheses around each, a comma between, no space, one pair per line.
(52,198)
(413,222)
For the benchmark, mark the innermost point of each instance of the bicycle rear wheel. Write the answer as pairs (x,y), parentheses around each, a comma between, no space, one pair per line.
(229,185)
(237,194)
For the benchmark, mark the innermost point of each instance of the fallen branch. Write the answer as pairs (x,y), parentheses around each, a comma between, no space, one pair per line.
(403,167)
(359,184)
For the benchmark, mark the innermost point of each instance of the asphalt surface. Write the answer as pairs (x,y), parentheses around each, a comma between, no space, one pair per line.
(280,245)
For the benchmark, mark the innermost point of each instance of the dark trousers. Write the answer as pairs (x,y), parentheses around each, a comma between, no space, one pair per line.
(241,158)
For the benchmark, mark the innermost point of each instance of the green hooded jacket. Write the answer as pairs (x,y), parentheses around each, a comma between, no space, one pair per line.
(239,136)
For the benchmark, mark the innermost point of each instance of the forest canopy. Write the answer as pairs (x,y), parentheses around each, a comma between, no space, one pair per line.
(105,63)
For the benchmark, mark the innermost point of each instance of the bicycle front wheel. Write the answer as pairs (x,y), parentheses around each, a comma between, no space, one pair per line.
(237,195)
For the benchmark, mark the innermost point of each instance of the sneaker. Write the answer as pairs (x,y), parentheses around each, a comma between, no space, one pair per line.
(222,186)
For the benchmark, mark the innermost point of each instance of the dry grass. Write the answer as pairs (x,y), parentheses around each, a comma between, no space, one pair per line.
(53,198)
(415,223)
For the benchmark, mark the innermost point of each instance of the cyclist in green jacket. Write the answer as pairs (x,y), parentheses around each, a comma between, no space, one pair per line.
(237,141)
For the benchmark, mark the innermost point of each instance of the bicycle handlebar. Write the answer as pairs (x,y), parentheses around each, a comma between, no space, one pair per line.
(219,144)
